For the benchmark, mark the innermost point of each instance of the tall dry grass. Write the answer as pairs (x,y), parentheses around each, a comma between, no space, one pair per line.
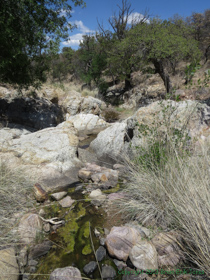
(174,195)
(15,200)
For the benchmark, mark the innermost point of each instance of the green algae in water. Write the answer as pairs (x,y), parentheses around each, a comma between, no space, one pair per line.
(84,238)
(112,190)
(83,215)
(69,230)
(87,249)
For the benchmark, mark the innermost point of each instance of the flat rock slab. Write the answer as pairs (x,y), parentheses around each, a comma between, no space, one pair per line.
(58,195)
(66,202)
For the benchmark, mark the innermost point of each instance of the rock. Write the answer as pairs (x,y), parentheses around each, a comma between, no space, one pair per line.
(90,267)
(58,195)
(121,138)
(88,123)
(66,202)
(171,259)
(120,241)
(42,212)
(85,175)
(7,134)
(97,198)
(102,241)
(104,177)
(40,250)
(108,272)
(37,113)
(9,269)
(46,227)
(109,144)
(97,233)
(66,273)
(39,193)
(143,255)
(166,244)
(121,169)
(30,227)
(49,154)
(23,257)
(100,253)
(32,263)
(74,104)
(119,264)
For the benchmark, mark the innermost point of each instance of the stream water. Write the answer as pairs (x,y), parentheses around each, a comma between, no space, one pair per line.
(72,241)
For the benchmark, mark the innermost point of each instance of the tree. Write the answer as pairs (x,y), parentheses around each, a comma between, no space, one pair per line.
(122,58)
(200,23)
(92,60)
(62,65)
(30,31)
(162,42)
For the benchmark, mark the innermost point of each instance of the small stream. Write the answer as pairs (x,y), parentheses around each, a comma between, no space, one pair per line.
(72,242)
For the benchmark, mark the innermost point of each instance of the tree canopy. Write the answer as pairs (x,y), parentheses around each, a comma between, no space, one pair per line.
(30,31)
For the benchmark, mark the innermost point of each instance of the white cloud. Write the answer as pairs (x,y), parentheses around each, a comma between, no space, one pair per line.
(75,39)
(64,13)
(82,27)
(136,17)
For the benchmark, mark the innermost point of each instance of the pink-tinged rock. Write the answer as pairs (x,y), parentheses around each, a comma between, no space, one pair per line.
(120,241)
(166,244)
(143,255)
(171,259)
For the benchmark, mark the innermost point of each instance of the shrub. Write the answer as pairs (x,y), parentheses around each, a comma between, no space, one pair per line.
(110,115)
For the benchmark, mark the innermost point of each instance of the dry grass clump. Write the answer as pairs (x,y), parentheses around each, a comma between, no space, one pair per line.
(110,115)
(176,195)
(15,200)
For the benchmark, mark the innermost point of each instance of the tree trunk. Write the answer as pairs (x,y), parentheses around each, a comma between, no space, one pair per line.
(163,74)
(128,82)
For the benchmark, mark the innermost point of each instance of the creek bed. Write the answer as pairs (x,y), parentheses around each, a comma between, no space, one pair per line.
(72,243)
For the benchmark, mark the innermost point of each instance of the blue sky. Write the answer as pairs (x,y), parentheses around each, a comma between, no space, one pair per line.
(86,19)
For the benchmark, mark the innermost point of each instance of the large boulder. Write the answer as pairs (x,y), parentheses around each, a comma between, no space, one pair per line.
(124,137)
(88,123)
(49,154)
(37,113)
(66,273)
(111,143)
(9,269)
(121,240)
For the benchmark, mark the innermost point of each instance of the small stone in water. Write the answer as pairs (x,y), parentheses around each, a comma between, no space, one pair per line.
(90,267)
(100,253)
